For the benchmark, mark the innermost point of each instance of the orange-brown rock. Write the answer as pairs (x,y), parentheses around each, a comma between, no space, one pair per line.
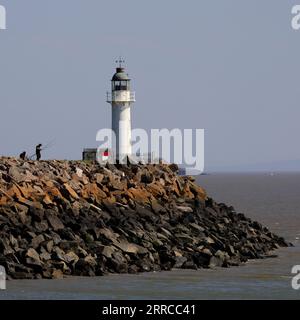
(70,191)
(91,190)
(14,191)
(3,200)
(197,190)
(156,189)
(54,192)
(47,200)
(140,195)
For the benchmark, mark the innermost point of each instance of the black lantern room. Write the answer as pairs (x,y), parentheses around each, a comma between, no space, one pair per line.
(120,80)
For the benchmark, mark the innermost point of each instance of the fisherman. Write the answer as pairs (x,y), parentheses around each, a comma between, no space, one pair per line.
(23,155)
(38,150)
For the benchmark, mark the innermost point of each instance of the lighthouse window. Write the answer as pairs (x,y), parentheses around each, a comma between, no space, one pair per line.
(124,85)
(120,85)
(116,85)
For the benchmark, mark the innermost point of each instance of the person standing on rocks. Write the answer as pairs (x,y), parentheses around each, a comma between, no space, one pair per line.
(23,155)
(38,150)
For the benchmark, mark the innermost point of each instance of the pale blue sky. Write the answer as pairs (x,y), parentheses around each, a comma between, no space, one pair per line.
(229,66)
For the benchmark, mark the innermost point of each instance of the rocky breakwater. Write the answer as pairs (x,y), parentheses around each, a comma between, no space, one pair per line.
(74,218)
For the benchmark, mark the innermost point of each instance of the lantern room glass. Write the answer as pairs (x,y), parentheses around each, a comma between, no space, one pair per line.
(121,85)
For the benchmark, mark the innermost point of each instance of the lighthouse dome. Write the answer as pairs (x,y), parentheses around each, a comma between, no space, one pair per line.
(120,75)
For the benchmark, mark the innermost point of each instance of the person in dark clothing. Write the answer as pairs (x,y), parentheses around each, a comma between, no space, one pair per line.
(38,150)
(23,155)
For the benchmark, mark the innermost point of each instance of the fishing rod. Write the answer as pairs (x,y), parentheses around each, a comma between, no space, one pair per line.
(47,146)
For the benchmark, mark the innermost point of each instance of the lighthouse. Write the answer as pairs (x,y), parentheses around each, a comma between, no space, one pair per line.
(121,99)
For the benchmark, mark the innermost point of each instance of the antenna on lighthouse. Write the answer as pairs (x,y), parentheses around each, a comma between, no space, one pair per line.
(120,61)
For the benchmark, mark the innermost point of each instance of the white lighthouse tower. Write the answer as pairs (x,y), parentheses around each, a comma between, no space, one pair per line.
(121,100)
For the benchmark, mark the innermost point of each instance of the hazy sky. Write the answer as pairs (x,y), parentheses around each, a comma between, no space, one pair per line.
(229,66)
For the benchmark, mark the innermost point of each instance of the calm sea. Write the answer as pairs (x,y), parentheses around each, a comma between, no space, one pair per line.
(273,199)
